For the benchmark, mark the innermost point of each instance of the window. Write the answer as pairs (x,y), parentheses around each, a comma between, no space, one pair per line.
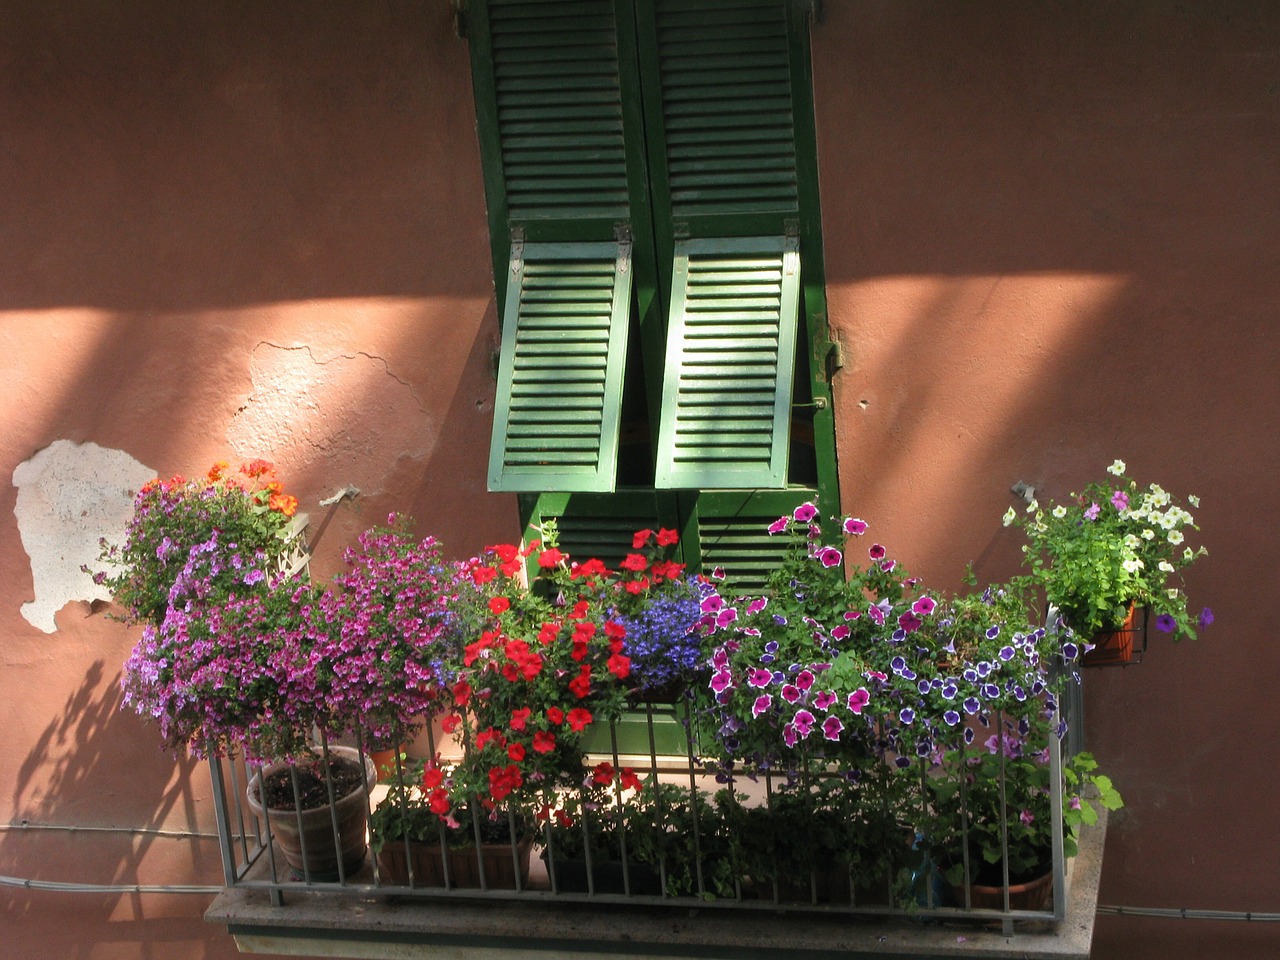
(651,180)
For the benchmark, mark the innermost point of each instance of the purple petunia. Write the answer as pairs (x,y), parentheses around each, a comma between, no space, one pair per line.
(832,727)
(830,557)
(1092,512)
(1165,623)
(1206,617)
(804,513)
(855,527)
(1120,500)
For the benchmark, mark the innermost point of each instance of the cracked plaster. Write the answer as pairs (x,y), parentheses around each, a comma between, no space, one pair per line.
(70,495)
(347,414)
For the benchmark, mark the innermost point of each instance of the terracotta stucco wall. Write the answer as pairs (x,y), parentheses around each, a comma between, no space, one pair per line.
(258,229)
(1051,235)
(228,230)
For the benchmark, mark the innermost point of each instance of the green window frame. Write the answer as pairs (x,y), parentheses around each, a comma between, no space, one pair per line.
(683,128)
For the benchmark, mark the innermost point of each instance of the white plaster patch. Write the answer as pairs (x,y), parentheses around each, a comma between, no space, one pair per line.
(344,420)
(70,496)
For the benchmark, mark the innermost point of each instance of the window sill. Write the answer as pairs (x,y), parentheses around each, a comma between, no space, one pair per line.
(355,925)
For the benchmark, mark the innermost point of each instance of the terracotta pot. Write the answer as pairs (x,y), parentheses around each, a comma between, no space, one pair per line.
(464,867)
(385,761)
(321,860)
(1035,894)
(1115,646)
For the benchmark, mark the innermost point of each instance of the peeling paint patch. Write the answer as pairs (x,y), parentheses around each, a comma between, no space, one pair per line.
(70,495)
(346,419)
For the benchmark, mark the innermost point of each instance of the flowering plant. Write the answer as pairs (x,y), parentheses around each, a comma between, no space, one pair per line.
(1110,547)
(384,651)
(1007,781)
(537,665)
(865,668)
(237,674)
(249,514)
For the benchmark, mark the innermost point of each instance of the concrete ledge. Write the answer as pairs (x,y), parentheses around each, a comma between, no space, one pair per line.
(457,928)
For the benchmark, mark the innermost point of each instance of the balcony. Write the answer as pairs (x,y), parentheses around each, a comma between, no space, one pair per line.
(623,904)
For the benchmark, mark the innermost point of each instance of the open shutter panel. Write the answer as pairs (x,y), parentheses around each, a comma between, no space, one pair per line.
(559,110)
(726,398)
(560,373)
(727,111)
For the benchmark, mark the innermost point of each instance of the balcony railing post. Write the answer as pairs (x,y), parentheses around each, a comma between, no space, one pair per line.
(222,819)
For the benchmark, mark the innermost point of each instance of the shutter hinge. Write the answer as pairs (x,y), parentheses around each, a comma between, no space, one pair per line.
(680,230)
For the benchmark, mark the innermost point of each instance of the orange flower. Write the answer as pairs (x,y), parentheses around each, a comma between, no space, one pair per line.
(283,503)
(257,468)
(216,472)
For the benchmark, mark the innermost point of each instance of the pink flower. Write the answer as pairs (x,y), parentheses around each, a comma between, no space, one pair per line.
(804,679)
(876,552)
(804,513)
(763,703)
(1120,500)
(779,525)
(830,557)
(855,527)
(924,606)
(831,727)
(759,677)
(857,700)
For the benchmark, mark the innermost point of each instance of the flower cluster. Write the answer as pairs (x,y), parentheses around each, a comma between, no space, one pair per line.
(1111,547)
(246,514)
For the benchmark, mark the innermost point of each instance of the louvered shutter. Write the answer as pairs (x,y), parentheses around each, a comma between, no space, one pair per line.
(553,85)
(726,399)
(723,127)
(561,368)
(729,531)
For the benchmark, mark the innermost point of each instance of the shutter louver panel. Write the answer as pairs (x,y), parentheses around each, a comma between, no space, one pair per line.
(726,400)
(560,373)
(559,105)
(742,547)
(727,112)
(606,537)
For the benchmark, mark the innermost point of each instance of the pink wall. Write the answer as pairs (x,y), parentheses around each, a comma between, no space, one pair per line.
(1050,234)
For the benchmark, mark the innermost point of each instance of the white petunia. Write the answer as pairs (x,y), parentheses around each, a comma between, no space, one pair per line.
(1194,500)
(1148,534)
(1131,541)
(1033,506)
(1116,469)
(1059,511)
(1009,516)
(1166,566)
(1176,537)
(1132,565)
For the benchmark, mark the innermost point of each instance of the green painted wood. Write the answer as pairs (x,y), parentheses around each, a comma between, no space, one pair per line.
(726,405)
(560,372)
(728,531)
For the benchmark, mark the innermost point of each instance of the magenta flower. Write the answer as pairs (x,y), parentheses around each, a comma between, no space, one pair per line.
(831,727)
(1120,500)
(825,700)
(759,677)
(855,527)
(758,604)
(840,632)
(721,680)
(1027,818)
(763,703)
(857,700)
(877,552)
(790,693)
(830,556)
(804,679)
(804,513)
(803,722)
(876,614)
(779,525)
(909,622)
(924,606)
(726,617)
(1092,512)
(789,735)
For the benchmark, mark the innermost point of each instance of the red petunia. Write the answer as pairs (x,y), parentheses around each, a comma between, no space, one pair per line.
(515,751)
(481,575)
(667,538)
(640,539)
(548,632)
(499,605)
(432,777)
(602,774)
(614,630)
(555,715)
(544,741)
(630,781)
(579,719)
(519,718)
(550,558)
(619,666)
(439,802)
(462,693)
(634,562)
(450,723)
(579,610)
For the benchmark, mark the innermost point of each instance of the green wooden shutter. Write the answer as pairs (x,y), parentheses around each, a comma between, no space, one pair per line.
(726,401)
(730,531)
(550,81)
(722,125)
(597,525)
(560,374)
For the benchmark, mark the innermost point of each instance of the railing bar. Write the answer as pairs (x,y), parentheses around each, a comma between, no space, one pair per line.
(333,802)
(238,794)
(964,827)
(445,871)
(693,806)
(221,818)
(515,853)
(551,857)
(622,820)
(1004,819)
(297,811)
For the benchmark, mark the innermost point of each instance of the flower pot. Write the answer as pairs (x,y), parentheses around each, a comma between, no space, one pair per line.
(1113,646)
(314,828)
(1036,894)
(464,866)
(606,876)
(385,761)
